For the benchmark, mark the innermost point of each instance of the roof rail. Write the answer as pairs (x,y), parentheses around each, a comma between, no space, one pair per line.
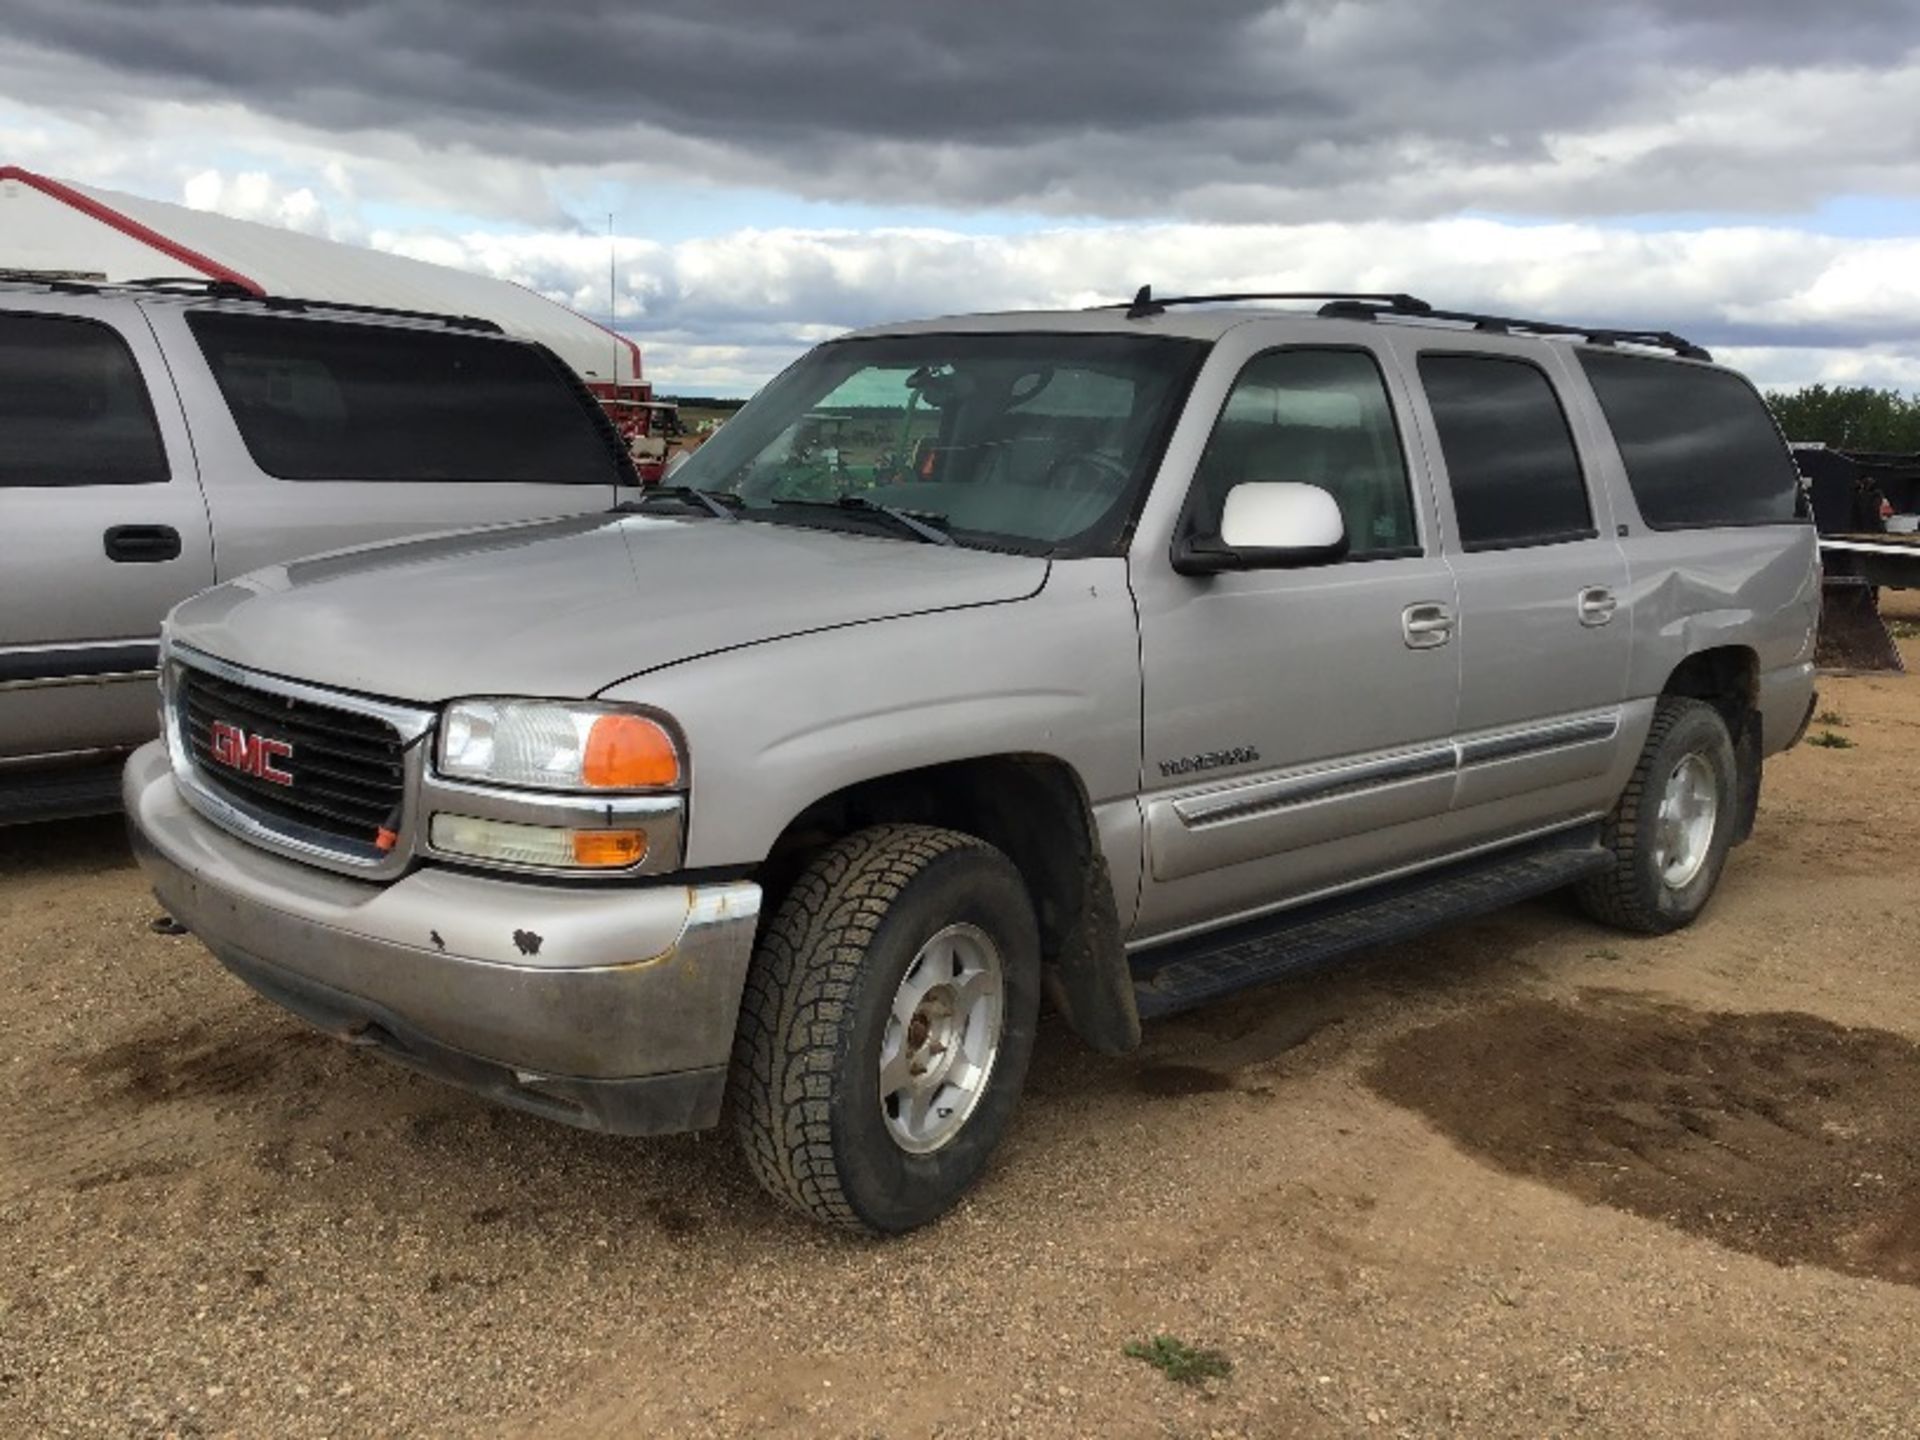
(388,312)
(1366,308)
(56,279)
(189,285)
(1396,305)
(1145,304)
(212,288)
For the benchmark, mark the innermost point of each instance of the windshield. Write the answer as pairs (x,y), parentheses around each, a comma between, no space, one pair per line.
(1031,442)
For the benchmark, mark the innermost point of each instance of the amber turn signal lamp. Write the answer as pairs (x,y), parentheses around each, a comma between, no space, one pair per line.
(609,849)
(629,752)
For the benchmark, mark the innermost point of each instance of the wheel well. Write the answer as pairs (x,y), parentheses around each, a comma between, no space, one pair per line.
(1032,807)
(1728,678)
(1035,810)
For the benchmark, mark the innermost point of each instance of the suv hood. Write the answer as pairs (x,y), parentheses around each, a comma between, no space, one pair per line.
(565,608)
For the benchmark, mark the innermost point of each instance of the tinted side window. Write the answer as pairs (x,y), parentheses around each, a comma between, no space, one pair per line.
(1321,417)
(73,408)
(320,400)
(1515,475)
(1698,444)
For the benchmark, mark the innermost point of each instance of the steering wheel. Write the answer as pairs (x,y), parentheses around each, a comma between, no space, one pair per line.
(1080,470)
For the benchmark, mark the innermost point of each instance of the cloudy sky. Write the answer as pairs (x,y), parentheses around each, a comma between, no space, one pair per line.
(1744,171)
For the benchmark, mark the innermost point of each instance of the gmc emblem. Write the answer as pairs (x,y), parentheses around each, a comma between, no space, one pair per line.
(249,754)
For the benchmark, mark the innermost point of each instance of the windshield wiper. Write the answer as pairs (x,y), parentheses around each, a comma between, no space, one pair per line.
(918,528)
(720,505)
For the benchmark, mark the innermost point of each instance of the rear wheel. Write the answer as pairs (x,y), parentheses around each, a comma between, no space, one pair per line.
(1673,825)
(886,1026)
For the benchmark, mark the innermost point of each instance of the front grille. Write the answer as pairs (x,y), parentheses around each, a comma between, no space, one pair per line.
(347,770)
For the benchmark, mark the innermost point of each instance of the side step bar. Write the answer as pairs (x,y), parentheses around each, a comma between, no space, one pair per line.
(1185,973)
(35,795)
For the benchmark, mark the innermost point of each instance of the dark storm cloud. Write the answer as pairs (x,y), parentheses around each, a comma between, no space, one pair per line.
(1225,108)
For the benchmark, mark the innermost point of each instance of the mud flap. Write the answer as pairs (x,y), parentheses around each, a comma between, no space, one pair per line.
(1748,752)
(1852,634)
(1088,981)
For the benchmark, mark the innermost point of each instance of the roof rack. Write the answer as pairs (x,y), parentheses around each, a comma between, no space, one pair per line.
(1146,304)
(1399,306)
(1361,309)
(452,322)
(54,279)
(187,285)
(227,290)
(210,288)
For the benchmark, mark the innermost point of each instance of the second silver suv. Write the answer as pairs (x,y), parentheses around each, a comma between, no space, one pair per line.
(157,438)
(1130,657)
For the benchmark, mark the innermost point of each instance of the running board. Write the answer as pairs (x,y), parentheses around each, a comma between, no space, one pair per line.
(1185,973)
(60,794)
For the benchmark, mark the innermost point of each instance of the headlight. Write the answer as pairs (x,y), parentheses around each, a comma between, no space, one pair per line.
(548,745)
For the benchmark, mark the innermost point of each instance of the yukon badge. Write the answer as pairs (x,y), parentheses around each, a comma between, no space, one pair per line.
(1210,760)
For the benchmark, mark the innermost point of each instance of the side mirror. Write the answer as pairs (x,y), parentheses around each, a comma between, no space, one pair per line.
(1267,525)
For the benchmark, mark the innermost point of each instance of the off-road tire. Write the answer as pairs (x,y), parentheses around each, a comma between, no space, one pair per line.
(1632,894)
(804,1088)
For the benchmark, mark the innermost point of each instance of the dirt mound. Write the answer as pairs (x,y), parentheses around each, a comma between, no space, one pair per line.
(1782,1135)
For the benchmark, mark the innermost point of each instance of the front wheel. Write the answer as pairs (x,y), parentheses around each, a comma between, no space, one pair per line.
(886,1026)
(1673,825)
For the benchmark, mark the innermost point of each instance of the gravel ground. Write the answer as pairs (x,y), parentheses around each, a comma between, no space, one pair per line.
(1525,1177)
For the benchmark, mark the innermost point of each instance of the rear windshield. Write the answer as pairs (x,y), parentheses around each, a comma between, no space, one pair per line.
(323,400)
(1698,444)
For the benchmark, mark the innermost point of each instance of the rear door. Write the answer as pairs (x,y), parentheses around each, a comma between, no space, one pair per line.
(317,433)
(1544,637)
(1715,533)
(102,527)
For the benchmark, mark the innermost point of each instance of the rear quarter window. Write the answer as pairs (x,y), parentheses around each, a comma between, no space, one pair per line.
(73,407)
(1699,445)
(323,400)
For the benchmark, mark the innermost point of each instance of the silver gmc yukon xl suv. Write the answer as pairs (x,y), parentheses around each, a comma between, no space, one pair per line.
(1133,656)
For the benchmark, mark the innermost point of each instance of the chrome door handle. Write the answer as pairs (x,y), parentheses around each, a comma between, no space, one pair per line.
(1596,605)
(1426,626)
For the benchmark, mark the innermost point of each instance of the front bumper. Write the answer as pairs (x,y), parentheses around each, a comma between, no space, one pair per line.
(607,1007)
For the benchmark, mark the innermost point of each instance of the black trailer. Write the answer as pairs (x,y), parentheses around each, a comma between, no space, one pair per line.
(1866,505)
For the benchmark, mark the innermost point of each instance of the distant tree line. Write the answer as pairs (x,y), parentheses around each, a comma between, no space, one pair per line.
(1849,417)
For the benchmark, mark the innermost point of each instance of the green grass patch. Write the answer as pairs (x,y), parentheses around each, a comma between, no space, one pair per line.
(1827,740)
(1831,717)
(1904,629)
(1179,1361)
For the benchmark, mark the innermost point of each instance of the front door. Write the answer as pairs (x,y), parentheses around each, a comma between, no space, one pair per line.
(102,528)
(1298,722)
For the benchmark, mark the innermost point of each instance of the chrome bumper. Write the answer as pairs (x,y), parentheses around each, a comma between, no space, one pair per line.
(607,1007)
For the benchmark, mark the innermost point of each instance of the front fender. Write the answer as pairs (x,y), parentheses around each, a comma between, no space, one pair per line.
(772,728)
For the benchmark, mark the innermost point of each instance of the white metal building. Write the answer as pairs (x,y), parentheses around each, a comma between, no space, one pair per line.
(48,224)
